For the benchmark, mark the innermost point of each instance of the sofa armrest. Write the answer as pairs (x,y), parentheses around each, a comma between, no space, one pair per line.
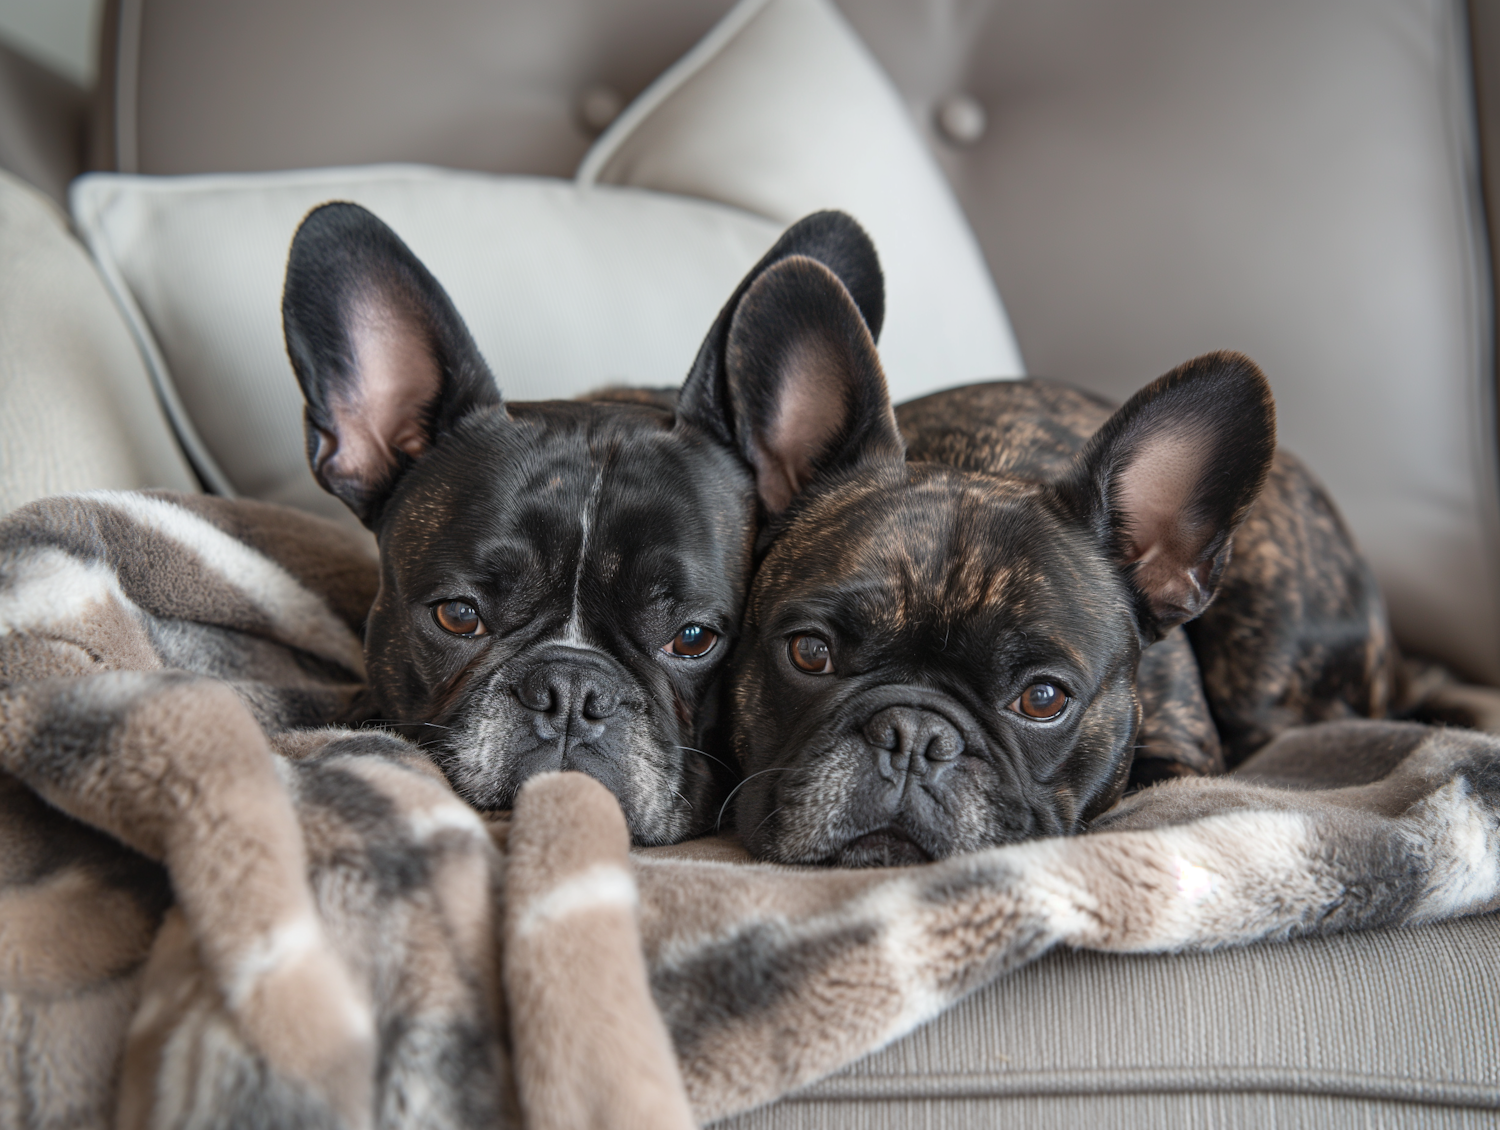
(77,410)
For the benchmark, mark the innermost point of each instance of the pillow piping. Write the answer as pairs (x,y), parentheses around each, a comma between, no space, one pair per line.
(666,85)
(84,204)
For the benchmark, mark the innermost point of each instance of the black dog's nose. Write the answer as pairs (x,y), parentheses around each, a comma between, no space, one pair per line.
(567,698)
(911,740)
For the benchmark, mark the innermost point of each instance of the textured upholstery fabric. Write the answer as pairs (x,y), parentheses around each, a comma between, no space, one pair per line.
(77,411)
(1232,1111)
(1293,178)
(564,290)
(1393,1027)
(283,84)
(781,111)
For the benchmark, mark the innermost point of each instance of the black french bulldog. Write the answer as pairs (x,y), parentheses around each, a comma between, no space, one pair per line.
(966,628)
(560,581)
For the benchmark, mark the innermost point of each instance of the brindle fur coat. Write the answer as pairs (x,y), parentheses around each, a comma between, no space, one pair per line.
(215,909)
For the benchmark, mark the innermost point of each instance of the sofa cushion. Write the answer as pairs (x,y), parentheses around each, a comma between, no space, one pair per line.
(565,289)
(781,110)
(77,411)
(1390,1027)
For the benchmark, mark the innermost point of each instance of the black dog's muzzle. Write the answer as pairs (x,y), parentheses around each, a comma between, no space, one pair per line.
(574,700)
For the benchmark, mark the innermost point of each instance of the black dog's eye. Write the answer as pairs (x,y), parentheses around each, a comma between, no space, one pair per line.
(459,617)
(1043,701)
(693,642)
(810,654)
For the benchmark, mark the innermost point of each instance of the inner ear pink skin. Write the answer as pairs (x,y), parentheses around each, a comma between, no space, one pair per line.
(1155,494)
(1155,488)
(812,403)
(396,380)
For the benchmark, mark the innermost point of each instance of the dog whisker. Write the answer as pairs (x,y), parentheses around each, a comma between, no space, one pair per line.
(705,753)
(381,723)
(774,769)
(762,824)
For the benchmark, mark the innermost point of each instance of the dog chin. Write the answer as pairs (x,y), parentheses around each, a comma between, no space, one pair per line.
(488,763)
(884,847)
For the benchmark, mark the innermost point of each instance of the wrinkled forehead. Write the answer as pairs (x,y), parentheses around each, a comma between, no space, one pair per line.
(628,476)
(586,479)
(940,545)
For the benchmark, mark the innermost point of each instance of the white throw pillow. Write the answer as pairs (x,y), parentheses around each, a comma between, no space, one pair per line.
(77,411)
(564,289)
(781,110)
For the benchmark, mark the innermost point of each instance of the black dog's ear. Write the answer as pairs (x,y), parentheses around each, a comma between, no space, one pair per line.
(833,239)
(1171,475)
(805,387)
(385,362)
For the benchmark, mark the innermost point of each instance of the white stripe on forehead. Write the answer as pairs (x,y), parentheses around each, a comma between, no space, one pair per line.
(573,632)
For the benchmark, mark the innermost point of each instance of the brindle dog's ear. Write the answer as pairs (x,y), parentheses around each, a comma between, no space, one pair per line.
(385,362)
(1171,475)
(805,385)
(789,375)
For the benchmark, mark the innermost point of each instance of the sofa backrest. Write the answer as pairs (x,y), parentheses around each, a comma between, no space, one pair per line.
(1293,178)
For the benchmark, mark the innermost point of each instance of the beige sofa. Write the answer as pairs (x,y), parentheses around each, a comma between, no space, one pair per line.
(1300,179)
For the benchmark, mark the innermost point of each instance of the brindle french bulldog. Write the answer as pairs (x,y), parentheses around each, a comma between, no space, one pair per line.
(967,626)
(559,581)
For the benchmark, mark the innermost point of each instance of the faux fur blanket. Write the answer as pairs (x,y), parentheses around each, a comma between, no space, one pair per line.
(214,912)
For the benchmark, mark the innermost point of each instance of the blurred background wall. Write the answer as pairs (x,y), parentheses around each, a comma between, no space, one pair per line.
(59,34)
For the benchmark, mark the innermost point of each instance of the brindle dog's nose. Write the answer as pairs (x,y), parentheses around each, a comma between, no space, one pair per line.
(567,699)
(911,740)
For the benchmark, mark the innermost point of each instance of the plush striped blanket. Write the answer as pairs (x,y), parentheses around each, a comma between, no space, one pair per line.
(219,908)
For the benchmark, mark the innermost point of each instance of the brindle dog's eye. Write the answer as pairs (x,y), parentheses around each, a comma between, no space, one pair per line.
(1043,701)
(811,654)
(693,642)
(459,617)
